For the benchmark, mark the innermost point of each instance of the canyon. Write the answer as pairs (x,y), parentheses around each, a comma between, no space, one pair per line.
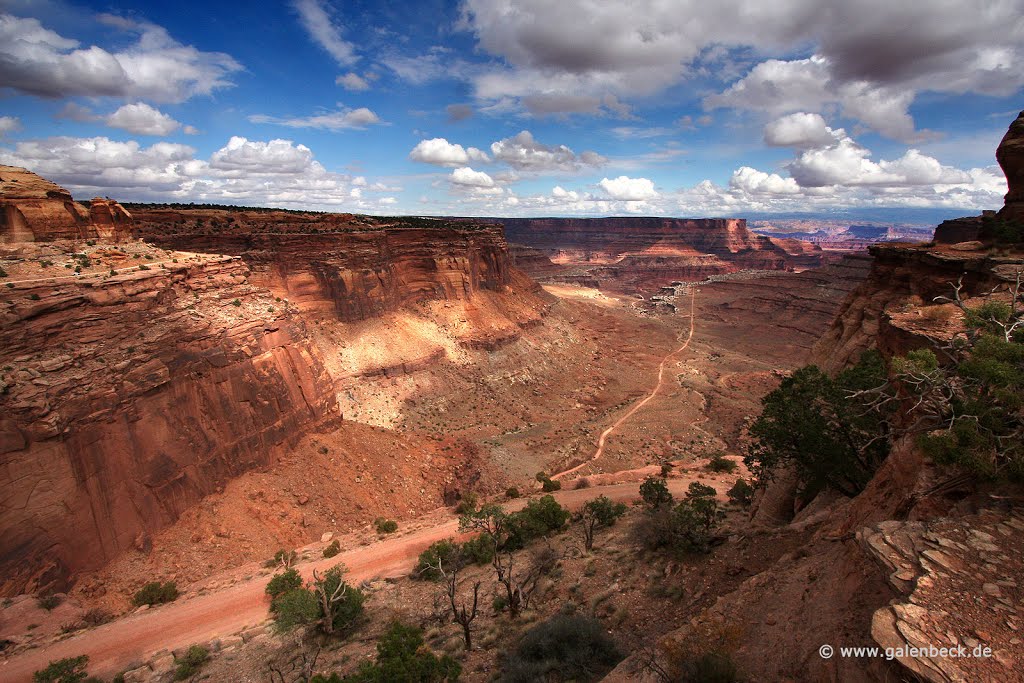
(186,390)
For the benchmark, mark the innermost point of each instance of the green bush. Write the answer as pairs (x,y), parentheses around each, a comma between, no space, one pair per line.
(3,273)
(563,648)
(67,670)
(741,493)
(156,593)
(547,483)
(511,492)
(539,518)
(720,463)
(444,551)
(297,607)
(403,657)
(188,665)
(385,526)
(302,606)
(654,492)
(333,549)
(684,529)
(479,549)
(284,582)
(236,302)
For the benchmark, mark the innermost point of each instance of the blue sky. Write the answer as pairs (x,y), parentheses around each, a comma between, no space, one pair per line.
(516,107)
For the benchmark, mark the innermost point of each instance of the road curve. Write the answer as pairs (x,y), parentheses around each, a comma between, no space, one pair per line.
(632,411)
(114,646)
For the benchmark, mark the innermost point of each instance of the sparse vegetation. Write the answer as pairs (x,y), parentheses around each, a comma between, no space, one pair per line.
(385,526)
(67,670)
(684,529)
(402,655)
(48,602)
(741,493)
(719,463)
(563,648)
(511,492)
(327,601)
(547,483)
(467,505)
(597,513)
(189,664)
(655,494)
(333,549)
(156,593)
(284,582)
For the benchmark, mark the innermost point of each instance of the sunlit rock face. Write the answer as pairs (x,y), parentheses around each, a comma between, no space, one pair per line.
(1010,155)
(33,209)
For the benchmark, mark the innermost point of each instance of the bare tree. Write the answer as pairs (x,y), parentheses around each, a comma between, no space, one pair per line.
(299,668)
(329,595)
(463,611)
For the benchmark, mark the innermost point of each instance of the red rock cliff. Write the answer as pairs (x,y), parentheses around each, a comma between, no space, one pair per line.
(126,398)
(1010,155)
(335,263)
(32,209)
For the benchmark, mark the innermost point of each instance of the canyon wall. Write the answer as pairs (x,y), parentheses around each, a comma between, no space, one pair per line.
(333,264)
(644,254)
(126,398)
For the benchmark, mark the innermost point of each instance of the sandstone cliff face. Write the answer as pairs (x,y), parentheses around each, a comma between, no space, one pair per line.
(354,272)
(127,398)
(902,278)
(33,209)
(643,254)
(1010,155)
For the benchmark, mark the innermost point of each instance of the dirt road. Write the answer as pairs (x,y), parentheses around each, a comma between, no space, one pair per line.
(632,411)
(114,646)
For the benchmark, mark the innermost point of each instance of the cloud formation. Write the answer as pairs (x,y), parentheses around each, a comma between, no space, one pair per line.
(9,124)
(440,152)
(37,61)
(342,119)
(317,22)
(141,119)
(524,153)
(628,189)
(352,81)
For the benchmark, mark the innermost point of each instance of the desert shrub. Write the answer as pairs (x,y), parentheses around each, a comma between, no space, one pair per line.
(511,492)
(654,492)
(666,469)
(156,593)
(539,518)
(479,549)
(741,493)
(597,513)
(3,273)
(583,483)
(96,616)
(385,526)
(67,670)
(563,648)
(333,549)
(813,424)
(284,582)
(701,655)
(720,463)
(235,302)
(402,656)
(467,504)
(549,485)
(48,602)
(284,558)
(297,607)
(684,529)
(189,664)
(444,551)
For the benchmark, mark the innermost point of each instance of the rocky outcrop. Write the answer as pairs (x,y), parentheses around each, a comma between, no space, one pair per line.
(127,397)
(958,586)
(339,265)
(903,279)
(1010,155)
(33,209)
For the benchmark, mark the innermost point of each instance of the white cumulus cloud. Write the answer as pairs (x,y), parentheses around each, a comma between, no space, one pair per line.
(342,119)
(800,130)
(440,152)
(628,189)
(467,176)
(142,119)
(524,153)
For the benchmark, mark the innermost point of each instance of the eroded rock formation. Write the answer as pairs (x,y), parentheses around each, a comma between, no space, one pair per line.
(33,209)
(1010,155)
(128,397)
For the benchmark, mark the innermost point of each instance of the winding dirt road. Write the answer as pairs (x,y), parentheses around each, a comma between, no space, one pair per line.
(114,646)
(632,411)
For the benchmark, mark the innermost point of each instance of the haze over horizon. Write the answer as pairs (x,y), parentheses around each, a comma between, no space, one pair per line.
(517,107)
